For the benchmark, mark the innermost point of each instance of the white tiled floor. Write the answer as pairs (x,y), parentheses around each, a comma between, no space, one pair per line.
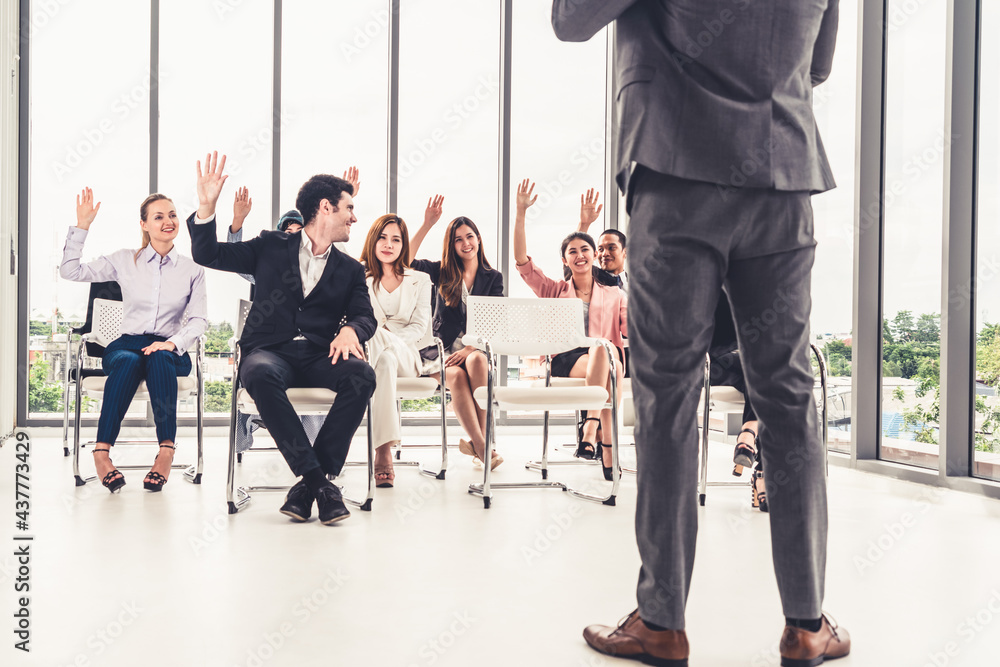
(431,578)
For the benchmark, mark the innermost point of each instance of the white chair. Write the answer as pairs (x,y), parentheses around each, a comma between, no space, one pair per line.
(107,323)
(730,400)
(425,387)
(305,400)
(509,326)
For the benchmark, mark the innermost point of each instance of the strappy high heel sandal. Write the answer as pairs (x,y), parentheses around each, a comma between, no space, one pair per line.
(584,449)
(154,481)
(745,452)
(114,480)
(600,457)
(758,497)
(385,476)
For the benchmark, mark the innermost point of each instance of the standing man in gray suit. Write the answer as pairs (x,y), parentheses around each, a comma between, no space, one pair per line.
(719,154)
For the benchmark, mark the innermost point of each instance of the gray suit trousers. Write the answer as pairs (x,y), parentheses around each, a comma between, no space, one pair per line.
(687,238)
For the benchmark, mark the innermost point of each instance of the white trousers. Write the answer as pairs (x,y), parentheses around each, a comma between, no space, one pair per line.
(391,358)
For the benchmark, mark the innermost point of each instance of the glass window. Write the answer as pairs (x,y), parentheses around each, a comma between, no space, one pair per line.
(833,273)
(335,101)
(87,130)
(557,141)
(215,94)
(449,117)
(913,200)
(986,440)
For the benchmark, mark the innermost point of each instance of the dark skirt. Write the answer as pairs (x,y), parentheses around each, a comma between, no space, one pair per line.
(563,363)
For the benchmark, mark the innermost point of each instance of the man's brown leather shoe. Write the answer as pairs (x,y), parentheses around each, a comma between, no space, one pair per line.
(801,648)
(632,639)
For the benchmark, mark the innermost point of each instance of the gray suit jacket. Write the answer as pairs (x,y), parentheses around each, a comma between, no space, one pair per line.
(716,90)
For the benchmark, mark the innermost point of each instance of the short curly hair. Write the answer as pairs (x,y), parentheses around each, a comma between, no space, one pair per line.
(318,188)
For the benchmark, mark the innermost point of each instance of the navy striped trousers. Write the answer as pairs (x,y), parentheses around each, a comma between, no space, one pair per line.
(126,366)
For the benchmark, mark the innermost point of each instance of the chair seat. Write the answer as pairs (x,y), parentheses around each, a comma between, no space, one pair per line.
(413,388)
(94,387)
(545,398)
(303,399)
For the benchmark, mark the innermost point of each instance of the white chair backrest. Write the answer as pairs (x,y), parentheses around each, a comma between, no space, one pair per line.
(107,323)
(241,316)
(526,326)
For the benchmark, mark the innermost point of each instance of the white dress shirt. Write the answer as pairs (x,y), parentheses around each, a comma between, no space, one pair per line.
(163,296)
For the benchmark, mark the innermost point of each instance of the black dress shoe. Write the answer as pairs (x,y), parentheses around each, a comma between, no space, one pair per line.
(298,502)
(330,505)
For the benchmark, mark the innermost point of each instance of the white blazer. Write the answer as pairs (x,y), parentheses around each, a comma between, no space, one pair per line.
(414,316)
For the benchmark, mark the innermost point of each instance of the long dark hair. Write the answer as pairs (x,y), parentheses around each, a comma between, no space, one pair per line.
(373,265)
(452,268)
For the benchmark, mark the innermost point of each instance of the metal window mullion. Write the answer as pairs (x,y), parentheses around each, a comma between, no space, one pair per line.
(154,94)
(615,218)
(958,244)
(866,403)
(503,182)
(276,112)
(392,143)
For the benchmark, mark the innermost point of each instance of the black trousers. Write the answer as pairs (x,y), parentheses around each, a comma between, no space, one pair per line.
(268,372)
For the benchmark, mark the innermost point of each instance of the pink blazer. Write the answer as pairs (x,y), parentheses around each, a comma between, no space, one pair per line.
(608,305)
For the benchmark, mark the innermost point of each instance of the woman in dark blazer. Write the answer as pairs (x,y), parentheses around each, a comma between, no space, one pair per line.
(463,270)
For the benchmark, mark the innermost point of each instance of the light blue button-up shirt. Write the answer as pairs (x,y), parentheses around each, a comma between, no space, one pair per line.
(163,296)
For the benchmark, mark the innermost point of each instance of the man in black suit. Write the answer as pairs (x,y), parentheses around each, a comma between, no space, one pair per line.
(718,156)
(305,287)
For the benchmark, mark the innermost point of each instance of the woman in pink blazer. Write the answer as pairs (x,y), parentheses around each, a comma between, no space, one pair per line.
(605,316)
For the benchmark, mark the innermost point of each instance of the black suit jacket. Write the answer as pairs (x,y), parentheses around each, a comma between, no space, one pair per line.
(280,312)
(716,90)
(449,322)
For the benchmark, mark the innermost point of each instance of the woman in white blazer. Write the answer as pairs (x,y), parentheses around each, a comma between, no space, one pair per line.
(401,299)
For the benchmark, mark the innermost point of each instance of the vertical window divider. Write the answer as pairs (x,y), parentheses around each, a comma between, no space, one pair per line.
(392,144)
(868,234)
(958,289)
(276,113)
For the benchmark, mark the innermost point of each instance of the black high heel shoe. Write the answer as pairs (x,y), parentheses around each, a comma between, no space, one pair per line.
(600,457)
(154,481)
(745,452)
(114,480)
(586,450)
(758,498)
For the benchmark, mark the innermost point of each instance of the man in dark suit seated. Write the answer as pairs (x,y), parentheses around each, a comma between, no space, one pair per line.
(291,338)
(718,154)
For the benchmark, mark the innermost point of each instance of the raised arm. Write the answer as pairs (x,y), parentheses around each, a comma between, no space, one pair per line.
(205,247)
(353,176)
(241,209)
(524,201)
(432,214)
(826,41)
(590,210)
(72,268)
(579,20)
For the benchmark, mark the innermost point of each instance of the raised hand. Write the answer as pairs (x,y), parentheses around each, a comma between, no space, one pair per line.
(85,209)
(524,195)
(210,184)
(352,176)
(590,210)
(241,208)
(435,205)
